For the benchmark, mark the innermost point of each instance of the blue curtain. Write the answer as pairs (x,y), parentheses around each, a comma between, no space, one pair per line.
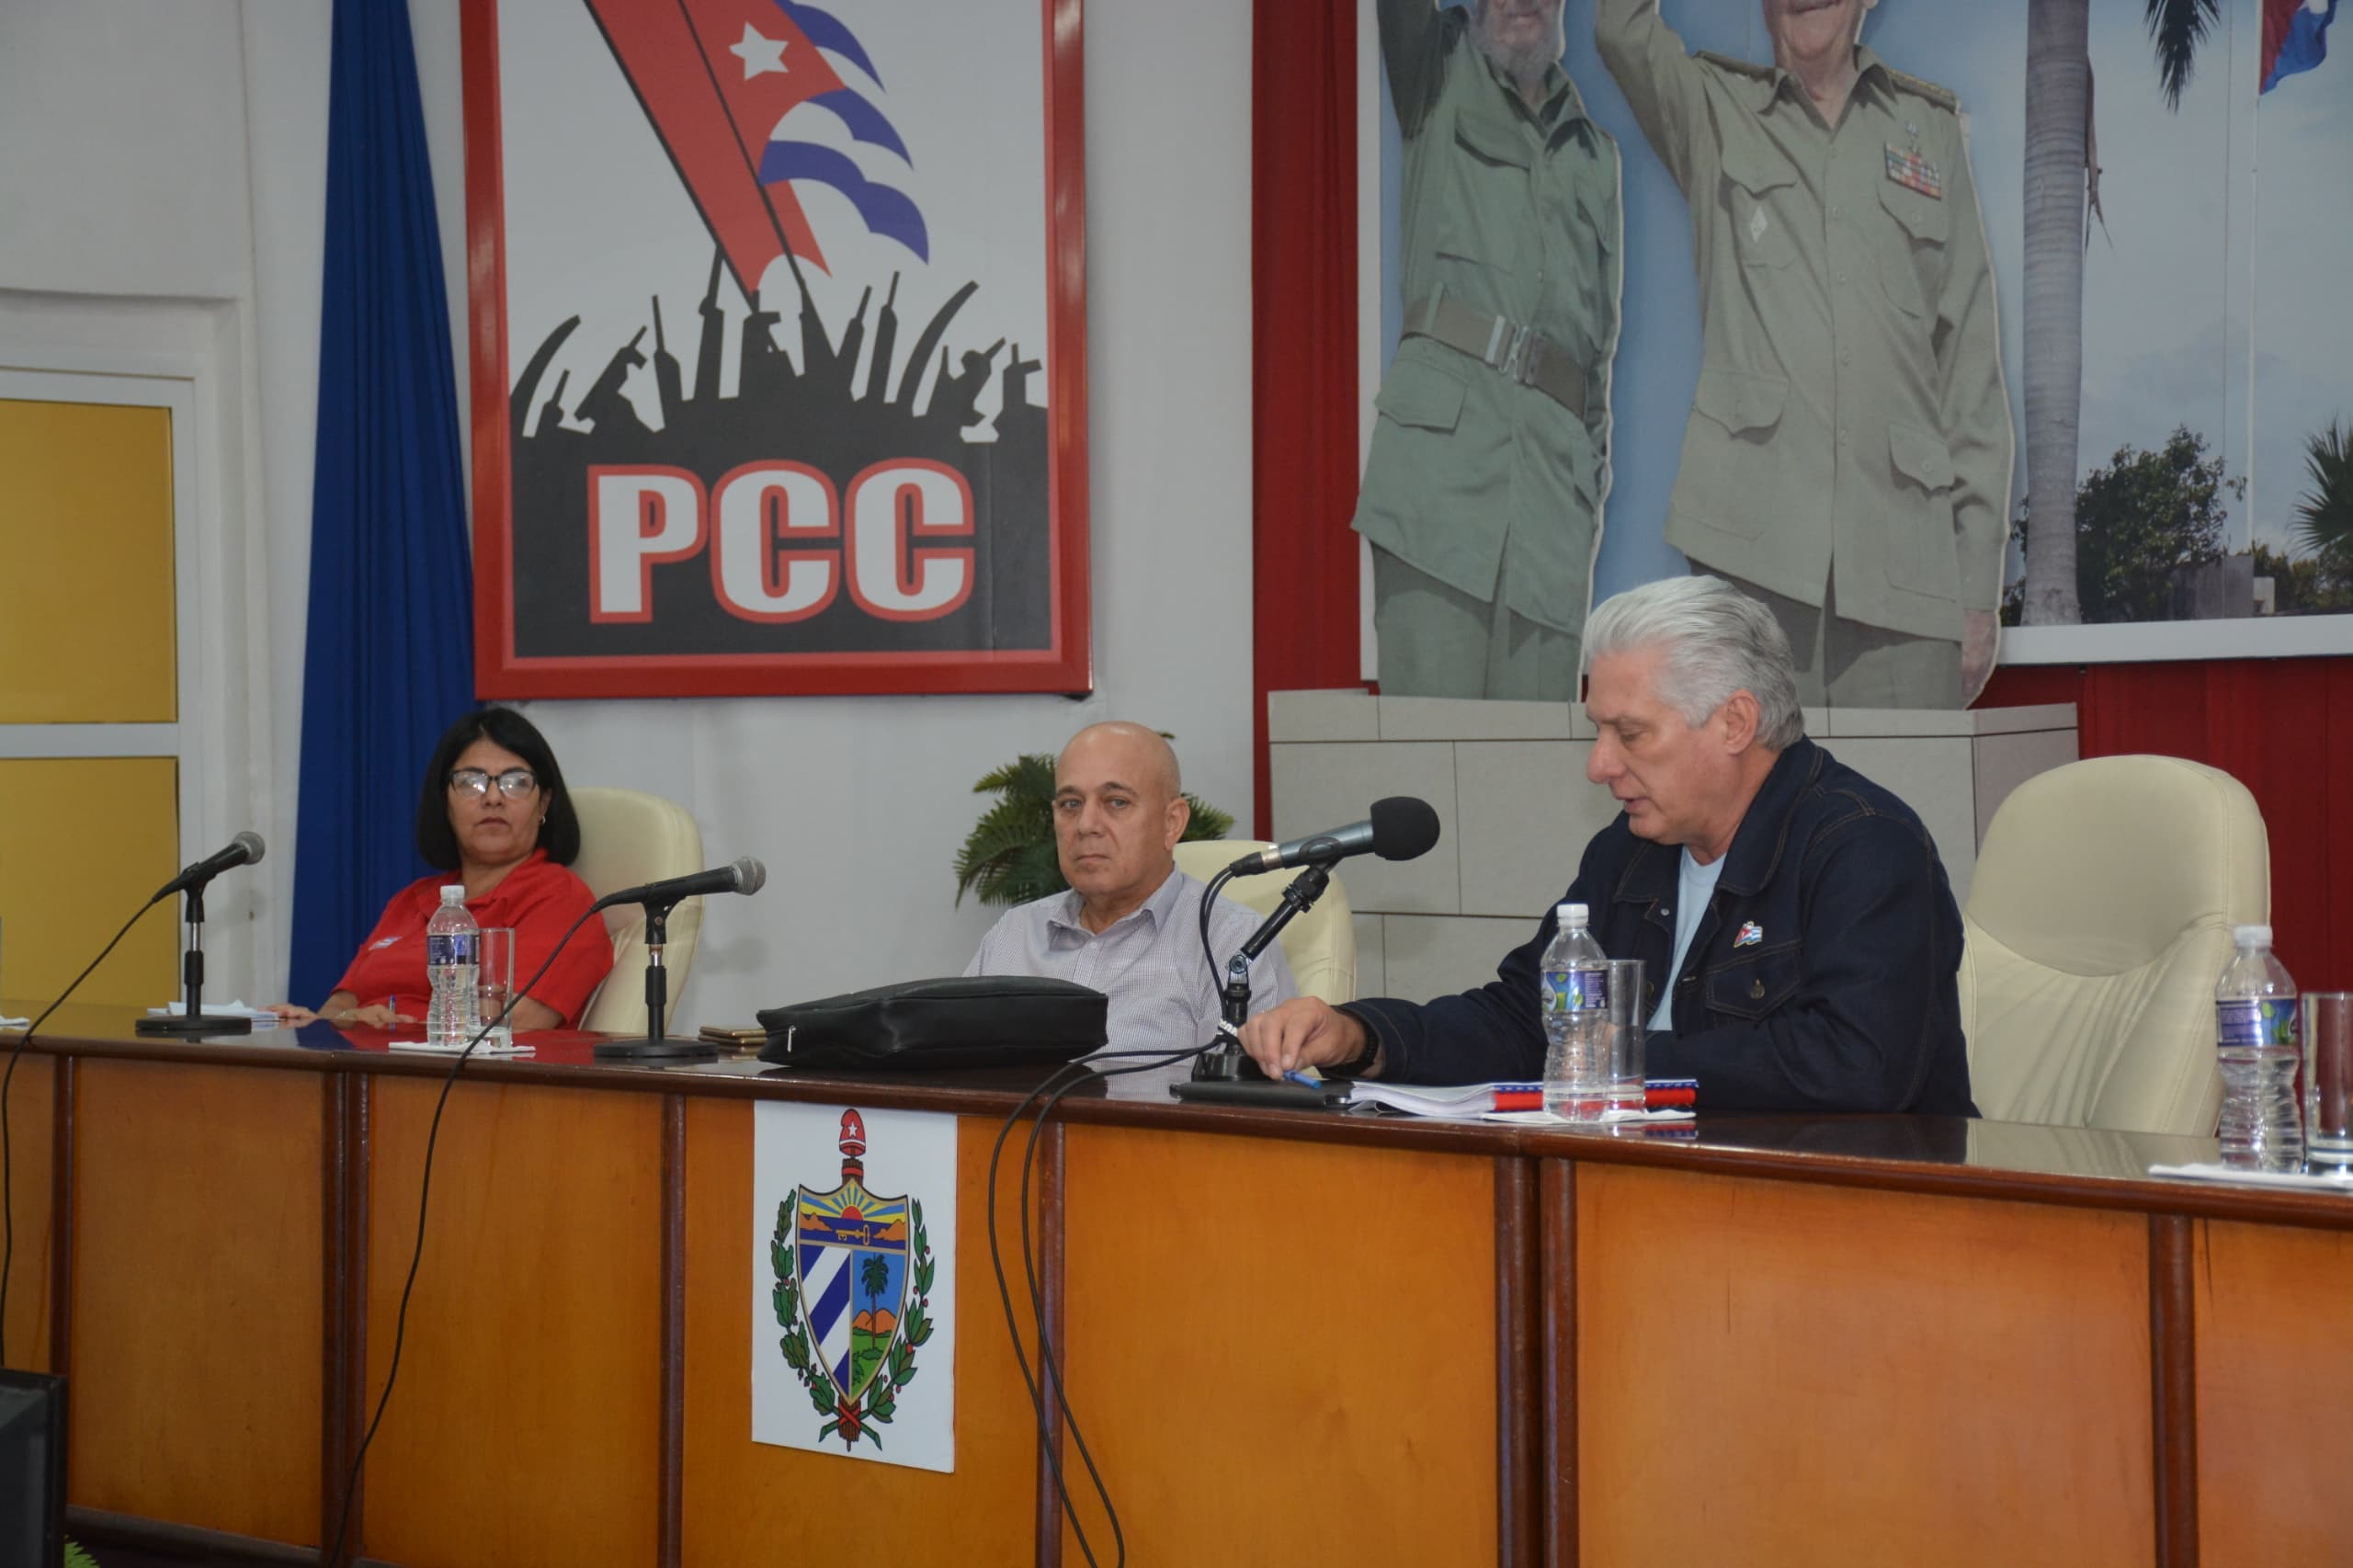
(388,661)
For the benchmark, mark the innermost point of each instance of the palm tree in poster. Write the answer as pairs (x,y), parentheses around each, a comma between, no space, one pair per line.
(2324,513)
(2060,188)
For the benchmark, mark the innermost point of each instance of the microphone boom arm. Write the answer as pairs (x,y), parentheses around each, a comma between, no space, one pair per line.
(1223,1060)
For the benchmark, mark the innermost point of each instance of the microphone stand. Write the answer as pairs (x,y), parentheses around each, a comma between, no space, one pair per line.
(1223,1071)
(194,1020)
(656,1045)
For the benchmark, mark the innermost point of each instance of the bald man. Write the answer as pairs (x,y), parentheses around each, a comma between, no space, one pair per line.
(1130,924)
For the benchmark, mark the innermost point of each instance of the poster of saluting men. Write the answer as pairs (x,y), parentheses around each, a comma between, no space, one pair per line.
(1896,322)
(779,358)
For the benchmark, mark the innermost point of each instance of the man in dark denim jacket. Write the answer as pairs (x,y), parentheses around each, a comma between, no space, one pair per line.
(1820,972)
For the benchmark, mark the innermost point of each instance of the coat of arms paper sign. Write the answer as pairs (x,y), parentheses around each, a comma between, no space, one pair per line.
(853,1283)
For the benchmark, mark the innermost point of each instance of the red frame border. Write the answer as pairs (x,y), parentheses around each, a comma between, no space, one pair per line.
(1066,665)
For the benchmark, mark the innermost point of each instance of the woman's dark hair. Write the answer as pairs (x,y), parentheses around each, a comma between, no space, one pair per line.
(438,842)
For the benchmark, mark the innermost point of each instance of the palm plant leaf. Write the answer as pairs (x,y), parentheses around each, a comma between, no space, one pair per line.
(2178,28)
(1029,777)
(2324,513)
(1207,821)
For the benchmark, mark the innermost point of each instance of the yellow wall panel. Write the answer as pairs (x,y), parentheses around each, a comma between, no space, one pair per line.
(86,561)
(82,841)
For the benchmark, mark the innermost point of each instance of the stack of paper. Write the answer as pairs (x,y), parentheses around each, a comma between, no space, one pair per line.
(214,1010)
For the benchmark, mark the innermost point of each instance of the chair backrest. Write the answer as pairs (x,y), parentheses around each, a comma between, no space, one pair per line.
(1321,944)
(626,838)
(2099,918)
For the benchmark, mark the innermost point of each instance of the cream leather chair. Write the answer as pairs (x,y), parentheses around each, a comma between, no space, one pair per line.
(626,838)
(1321,944)
(2099,918)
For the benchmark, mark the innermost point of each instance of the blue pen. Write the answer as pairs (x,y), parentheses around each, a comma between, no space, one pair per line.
(1306,1077)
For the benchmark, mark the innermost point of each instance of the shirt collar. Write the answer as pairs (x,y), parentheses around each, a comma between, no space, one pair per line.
(1156,909)
(505,887)
(1783,85)
(1763,830)
(1563,102)
(1656,869)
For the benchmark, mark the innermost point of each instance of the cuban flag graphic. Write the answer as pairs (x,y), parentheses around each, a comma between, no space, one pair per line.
(749,98)
(2295,36)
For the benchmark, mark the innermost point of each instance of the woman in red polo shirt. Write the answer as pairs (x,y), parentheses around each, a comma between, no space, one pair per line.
(493,814)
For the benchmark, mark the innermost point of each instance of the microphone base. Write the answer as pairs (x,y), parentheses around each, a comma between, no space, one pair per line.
(654,1050)
(1226,1062)
(1224,1076)
(202,1023)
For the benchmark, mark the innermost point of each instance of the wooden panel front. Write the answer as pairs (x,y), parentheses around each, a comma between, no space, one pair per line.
(2275,1378)
(749,1502)
(524,1426)
(1282,1353)
(30,1117)
(198,1296)
(1773,1372)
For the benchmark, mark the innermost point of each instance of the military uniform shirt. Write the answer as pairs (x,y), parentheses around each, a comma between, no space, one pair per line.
(1850,414)
(1510,213)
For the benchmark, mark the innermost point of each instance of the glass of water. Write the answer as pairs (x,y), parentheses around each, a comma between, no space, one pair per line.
(494,982)
(1628,1022)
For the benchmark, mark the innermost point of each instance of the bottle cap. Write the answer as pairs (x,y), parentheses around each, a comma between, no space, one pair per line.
(454,892)
(2251,935)
(1572,913)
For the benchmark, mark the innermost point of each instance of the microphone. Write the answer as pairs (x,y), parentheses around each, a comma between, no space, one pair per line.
(1400,828)
(746,875)
(244,850)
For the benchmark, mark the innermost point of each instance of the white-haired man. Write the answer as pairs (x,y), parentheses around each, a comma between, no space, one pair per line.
(1130,924)
(1799,937)
(1482,493)
(1847,455)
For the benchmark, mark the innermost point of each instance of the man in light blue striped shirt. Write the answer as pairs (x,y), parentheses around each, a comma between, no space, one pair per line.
(1129,926)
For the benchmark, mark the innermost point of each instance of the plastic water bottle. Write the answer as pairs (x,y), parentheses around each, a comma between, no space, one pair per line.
(1572,996)
(452,955)
(2255,1035)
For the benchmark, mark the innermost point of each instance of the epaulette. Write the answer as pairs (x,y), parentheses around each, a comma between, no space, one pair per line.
(1944,98)
(1741,67)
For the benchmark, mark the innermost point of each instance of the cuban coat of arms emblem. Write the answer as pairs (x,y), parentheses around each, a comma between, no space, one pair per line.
(853,1299)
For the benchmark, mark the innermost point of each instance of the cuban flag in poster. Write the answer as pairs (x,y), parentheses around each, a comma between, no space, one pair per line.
(2295,36)
(768,330)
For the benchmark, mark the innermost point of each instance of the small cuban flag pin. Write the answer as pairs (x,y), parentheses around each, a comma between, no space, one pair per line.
(1750,935)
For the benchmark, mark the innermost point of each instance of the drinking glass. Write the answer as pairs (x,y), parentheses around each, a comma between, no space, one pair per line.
(494,981)
(2328,1079)
(1628,1022)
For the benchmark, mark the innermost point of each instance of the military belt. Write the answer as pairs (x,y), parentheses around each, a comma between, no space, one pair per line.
(1517,353)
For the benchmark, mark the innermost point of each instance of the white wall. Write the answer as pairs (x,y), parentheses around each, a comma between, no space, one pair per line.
(180,150)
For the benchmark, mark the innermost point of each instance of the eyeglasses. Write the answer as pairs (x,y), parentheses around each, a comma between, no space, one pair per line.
(516,783)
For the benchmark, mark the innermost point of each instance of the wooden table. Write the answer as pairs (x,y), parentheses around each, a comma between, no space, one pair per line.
(1291,1338)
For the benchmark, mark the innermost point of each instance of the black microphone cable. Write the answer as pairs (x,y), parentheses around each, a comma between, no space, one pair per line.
(1055,1085)
(1208,956)
(423,1197)
(7,1166)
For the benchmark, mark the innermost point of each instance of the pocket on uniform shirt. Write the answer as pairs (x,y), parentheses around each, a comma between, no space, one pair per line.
(1731,476)
(1905,270)
(1422,395)
(1921,552)
(1751,193)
